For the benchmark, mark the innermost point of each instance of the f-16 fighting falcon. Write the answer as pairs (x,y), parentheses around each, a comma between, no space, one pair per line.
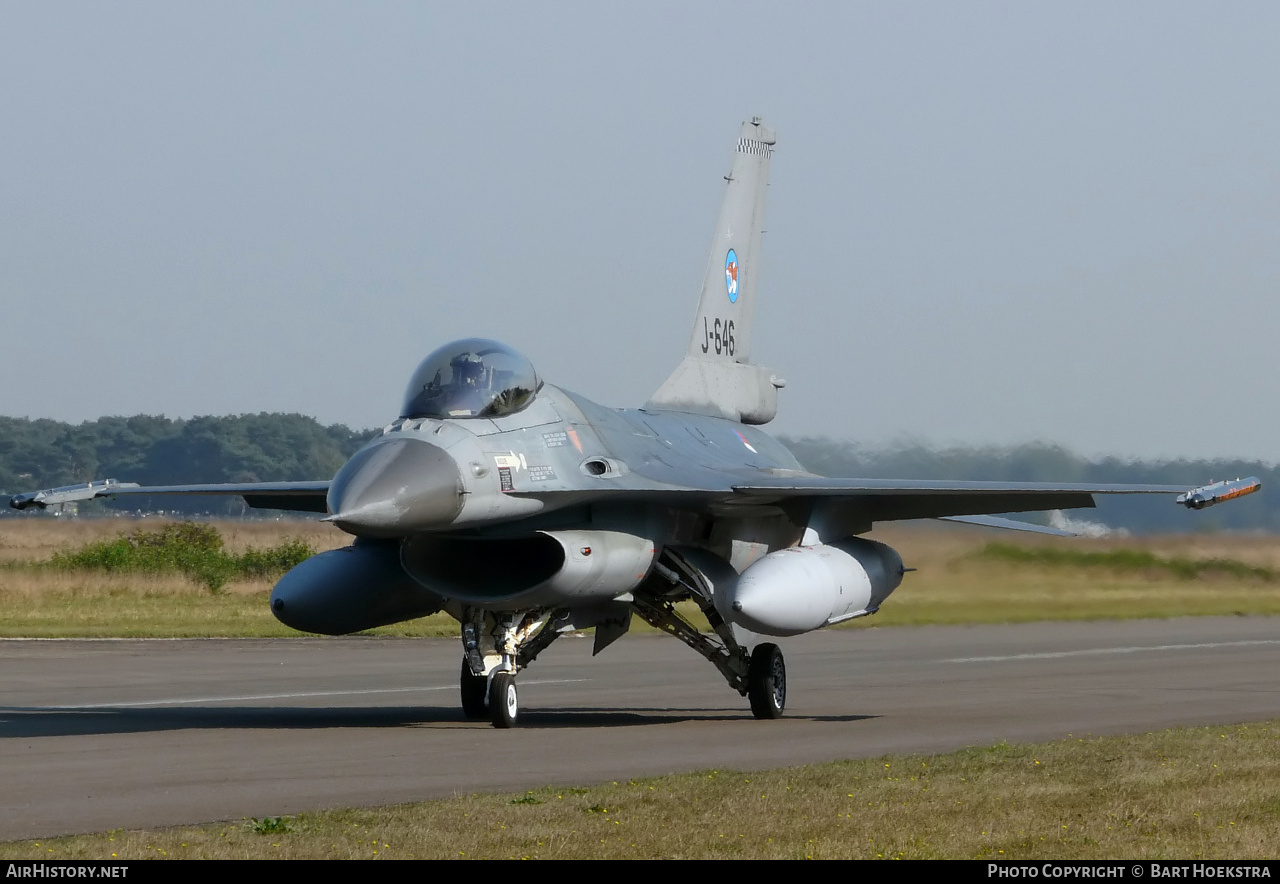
(526,511)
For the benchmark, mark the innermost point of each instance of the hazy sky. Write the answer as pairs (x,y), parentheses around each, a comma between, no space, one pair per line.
(988,222)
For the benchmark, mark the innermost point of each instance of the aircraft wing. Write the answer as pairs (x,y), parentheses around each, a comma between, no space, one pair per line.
(307,497)
(893,499)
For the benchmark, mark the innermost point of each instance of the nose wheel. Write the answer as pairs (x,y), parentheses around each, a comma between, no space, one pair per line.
(504,704)
(493,698)
(767,681)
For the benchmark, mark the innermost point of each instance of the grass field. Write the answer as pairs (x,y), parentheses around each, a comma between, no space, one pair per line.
(46,602)
(1195,793)
(963,576)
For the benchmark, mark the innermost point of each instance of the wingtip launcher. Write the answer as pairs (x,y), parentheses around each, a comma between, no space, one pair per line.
(68,494)
(1219,492)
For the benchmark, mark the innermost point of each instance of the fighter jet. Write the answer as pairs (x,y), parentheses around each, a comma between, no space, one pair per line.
(526,511)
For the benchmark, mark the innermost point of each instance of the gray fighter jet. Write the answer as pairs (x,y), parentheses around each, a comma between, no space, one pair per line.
(526,511)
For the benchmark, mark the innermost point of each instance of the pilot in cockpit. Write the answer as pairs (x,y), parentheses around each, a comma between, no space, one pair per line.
(471,378)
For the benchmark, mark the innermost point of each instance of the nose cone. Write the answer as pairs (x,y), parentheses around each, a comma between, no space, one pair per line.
(394,488)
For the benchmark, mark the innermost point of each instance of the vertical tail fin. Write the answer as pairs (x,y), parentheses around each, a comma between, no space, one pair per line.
(716,376)
(727,304)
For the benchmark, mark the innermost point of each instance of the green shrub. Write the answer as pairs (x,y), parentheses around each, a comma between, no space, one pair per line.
(274,560)
(187,548)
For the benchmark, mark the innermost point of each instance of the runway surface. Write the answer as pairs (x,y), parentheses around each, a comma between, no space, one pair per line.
(96,735)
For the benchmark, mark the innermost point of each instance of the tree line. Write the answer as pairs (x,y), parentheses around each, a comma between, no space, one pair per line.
(155,450)
(1041,462)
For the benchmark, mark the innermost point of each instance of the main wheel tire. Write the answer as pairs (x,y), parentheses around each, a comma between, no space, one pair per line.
(767,681)
(504,705)
(475,693)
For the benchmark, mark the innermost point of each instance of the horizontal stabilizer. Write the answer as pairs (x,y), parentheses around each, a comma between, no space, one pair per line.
(1008,525)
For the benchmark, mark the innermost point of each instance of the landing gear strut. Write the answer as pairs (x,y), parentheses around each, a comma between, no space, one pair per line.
(760,676)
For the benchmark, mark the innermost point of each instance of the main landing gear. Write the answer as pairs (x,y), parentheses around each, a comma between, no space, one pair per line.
(497,646)
(760,676)
(767,681)
(495,697)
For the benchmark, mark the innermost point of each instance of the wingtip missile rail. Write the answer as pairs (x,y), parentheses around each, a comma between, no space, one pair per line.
(1218,492)
(68,494)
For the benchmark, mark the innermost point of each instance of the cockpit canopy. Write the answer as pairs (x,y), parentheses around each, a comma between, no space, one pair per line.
(471,378)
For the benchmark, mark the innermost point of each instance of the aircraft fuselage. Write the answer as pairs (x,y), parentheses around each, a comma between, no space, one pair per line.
(513,475)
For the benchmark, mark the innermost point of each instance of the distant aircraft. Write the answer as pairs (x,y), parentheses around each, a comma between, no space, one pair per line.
(526,511)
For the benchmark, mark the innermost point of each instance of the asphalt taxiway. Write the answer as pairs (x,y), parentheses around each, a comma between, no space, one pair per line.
(97,735)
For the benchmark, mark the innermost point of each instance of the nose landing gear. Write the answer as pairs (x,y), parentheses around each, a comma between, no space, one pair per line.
(495,647)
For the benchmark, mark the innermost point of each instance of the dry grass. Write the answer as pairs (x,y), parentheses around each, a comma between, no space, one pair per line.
(953,585)
(62,604)
(1197,793)
(929,544)
(36,539)
(154,606)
